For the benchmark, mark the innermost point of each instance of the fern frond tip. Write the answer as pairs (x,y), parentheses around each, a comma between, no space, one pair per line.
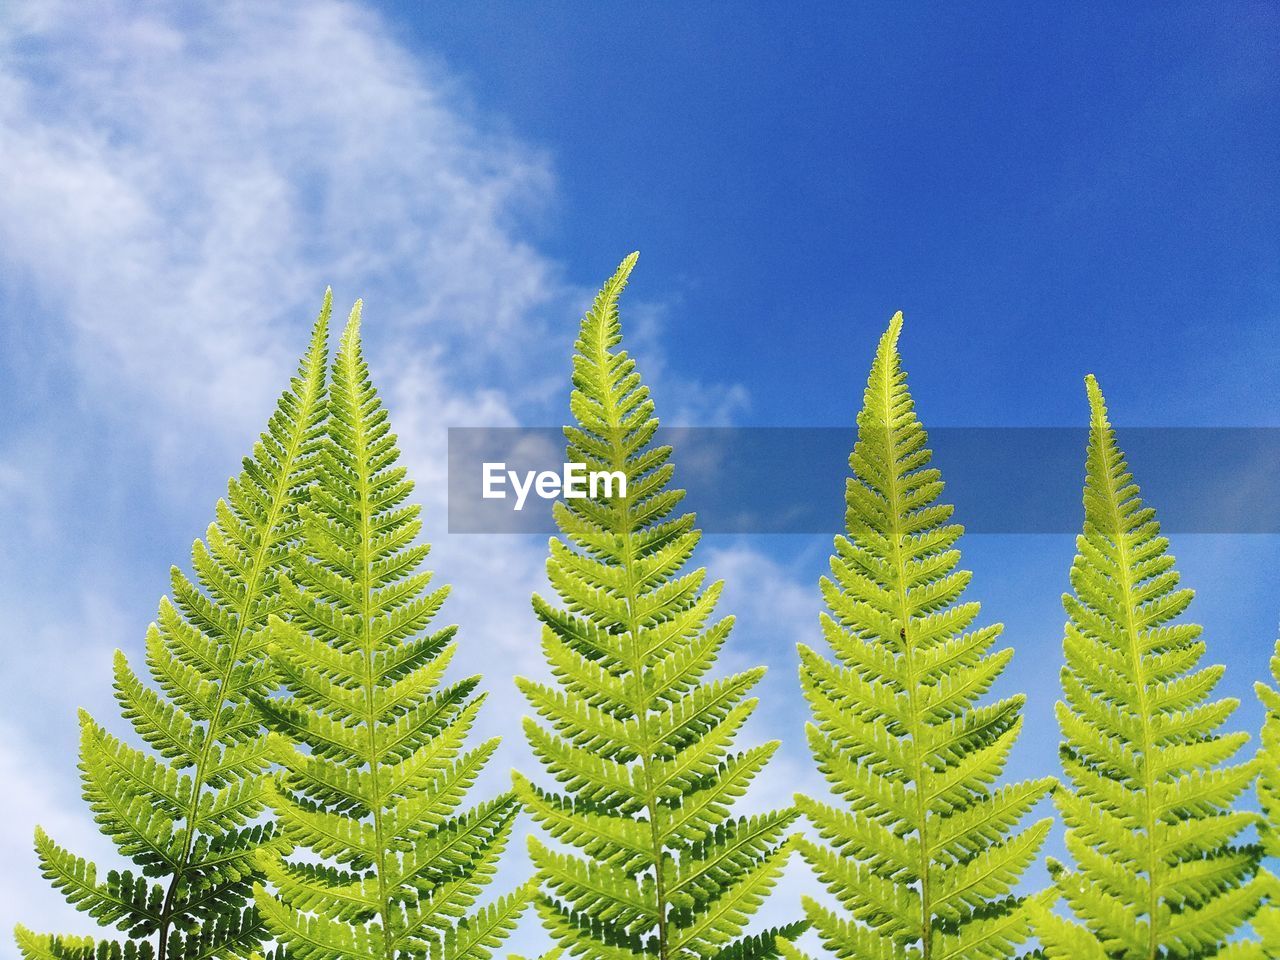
(888,345)
(351,333)
(1097,402)
(613,287)
(315,357)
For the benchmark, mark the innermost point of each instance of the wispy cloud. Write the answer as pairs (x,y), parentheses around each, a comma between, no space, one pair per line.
(180,185)
(180,192)
(40,798)
(179,188)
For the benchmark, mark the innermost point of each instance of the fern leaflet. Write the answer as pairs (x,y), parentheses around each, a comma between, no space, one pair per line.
(187,812)
(395,866)
(640,743)
(925,852)
(1149,812)
(1267,921)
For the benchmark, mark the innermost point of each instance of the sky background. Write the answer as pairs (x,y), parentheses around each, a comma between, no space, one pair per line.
(1045,190)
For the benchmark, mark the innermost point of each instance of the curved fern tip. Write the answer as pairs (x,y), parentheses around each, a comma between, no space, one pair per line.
(350,342)
(1097,402)
(320,330)
(889,340)
(1093,389)
(623,272)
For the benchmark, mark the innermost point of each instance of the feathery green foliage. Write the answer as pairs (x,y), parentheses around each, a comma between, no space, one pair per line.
(641,744)
(1149,815)
(395,866)
(925,851)
(187,811)
(1267,921)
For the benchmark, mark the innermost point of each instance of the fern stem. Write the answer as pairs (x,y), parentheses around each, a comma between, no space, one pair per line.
(642,713)
(366,617)
(641,740)
(1135,653)
(919,771)
(1151,818)
(166,911)
(926,853)
(390,866)
(280,497)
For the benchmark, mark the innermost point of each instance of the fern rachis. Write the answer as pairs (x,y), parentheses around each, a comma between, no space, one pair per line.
(373,746)
(924,858)
(1150,815)
(1267,921)
(188,819)
(638,741)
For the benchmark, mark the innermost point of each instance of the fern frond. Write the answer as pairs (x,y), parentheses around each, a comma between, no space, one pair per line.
(372,739)
(924,853)
(188,814)
(1159,870)
(1267,923)
(641,745)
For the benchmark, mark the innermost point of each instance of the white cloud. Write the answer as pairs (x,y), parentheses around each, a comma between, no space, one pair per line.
(768,597)
(179,189)
(181,193)
(681,402)
(12,484)
(34,796)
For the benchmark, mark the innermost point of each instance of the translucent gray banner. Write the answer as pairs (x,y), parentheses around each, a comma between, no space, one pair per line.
(791,479)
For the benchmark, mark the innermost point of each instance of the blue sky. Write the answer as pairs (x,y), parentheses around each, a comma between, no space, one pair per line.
(1045,190)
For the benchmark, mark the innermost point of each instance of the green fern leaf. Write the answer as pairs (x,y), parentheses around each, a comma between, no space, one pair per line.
(188,815)
(1149,813)
(1267,923)
(373,742)
(924,852)
(639,742)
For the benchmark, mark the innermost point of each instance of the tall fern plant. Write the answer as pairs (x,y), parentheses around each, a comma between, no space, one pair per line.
(924,851)
(1151,824)
(639,740)
(373,740)
(186,812)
